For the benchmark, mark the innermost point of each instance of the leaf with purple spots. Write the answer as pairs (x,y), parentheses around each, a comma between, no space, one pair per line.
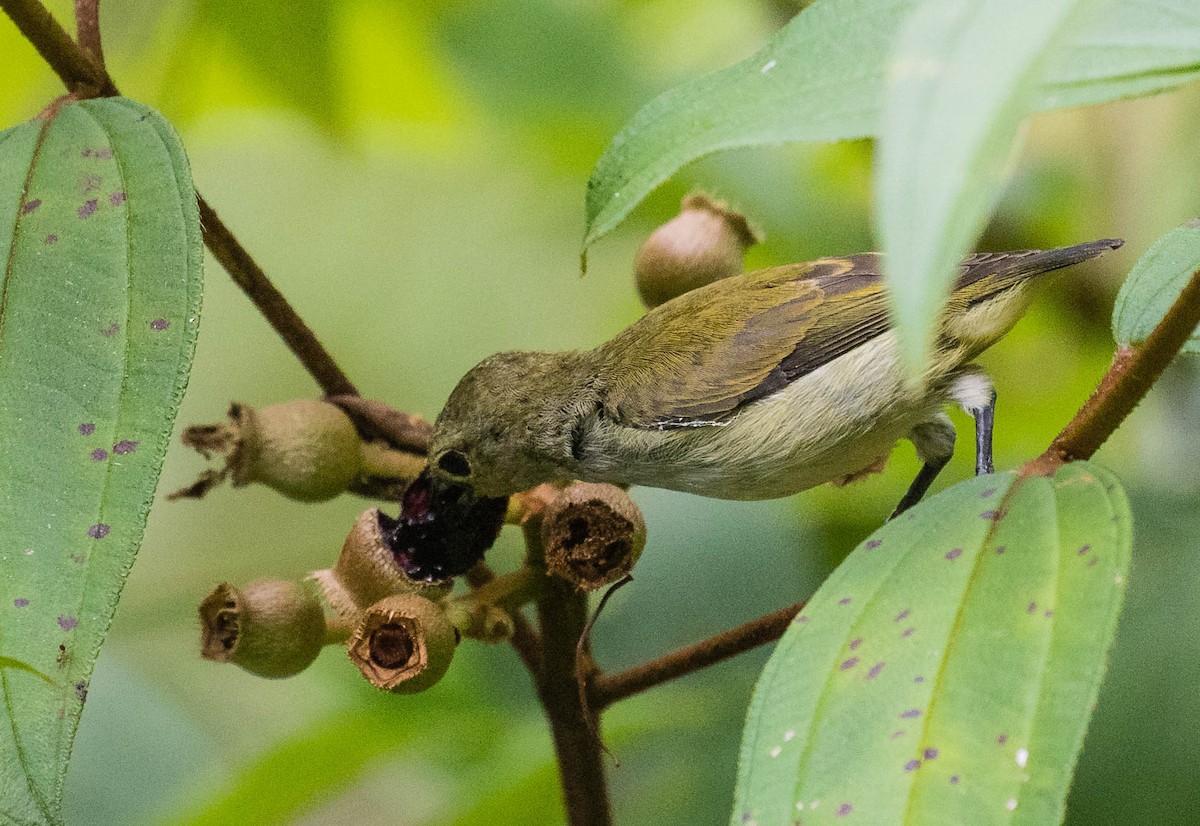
(80,390)
(984,662)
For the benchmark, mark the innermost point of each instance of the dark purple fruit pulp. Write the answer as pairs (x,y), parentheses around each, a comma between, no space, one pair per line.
(443,529)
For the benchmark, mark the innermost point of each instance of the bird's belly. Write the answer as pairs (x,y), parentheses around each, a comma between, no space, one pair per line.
(829,424)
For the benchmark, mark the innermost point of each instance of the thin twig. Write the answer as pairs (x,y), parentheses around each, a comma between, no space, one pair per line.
(525,639)
(1134,371)
(87,26)
(609,688)
(84,79)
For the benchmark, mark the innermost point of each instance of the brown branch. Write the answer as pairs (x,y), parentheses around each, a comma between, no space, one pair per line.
(1134,371)
(608,688)
(87,27)
(246,273)
(85,78)
(563,614)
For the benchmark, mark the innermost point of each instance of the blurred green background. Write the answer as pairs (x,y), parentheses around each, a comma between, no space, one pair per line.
(411,175)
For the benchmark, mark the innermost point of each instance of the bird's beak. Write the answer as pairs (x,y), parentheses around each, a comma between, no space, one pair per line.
(443,528)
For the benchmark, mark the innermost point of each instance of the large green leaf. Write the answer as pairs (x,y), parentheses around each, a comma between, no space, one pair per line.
(99,296)
(946,672)
(821,78)
(1154,284)
(963,77)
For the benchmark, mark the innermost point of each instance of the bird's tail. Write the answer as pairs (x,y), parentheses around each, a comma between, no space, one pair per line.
(989,273)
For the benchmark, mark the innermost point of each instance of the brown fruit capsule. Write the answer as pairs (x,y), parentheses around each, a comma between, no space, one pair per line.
(306,449)
(269,627)
(705,242)
(403,644)
(592,534)
(367,571)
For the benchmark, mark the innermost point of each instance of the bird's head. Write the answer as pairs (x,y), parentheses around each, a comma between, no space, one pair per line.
(498,434)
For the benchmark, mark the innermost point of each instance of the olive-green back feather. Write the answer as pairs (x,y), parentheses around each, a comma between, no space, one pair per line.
(698,358)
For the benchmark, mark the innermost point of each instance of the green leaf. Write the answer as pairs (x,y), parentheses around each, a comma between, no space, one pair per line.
(99,295)
(821,78)
(818,79)
(962,78)
(945,673)
(1155,283)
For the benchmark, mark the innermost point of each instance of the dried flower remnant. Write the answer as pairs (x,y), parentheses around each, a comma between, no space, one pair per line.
(592,535)
(403,644)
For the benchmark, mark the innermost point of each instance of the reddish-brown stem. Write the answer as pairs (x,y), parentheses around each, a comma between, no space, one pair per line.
(246,273)
(1134,371)
(609,688)
(563,615)
(87,27)
(84,78)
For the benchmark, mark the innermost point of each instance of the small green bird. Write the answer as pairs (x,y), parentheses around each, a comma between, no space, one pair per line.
(752,387)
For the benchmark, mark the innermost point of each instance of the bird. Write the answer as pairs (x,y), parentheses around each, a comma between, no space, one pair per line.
(756,386)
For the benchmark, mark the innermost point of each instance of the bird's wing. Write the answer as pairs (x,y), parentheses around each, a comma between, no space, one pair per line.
(698,358)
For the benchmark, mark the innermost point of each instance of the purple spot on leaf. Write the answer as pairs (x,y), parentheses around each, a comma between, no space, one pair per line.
(844,810)
(1047,613)
(89,208)
(901,615)
(874,672)
(897,733)
(1000,549)
(988,515)
(30,206)
(87,429)
(67,623)
(99,454)
(986,492)
(912,712)
(929,754)
(912,765)
(872,544)
(850,663)
(91,182)
(855,643)
(954,780)
(103,154)
(907,632)
(51,239)
(1002,739)
(1083,550)
(81,690)
(111,330)
(1092,562)
(20,602)
(918,679)
(124,446)
(98,531)
(844,601)
(1030,608)
(954,554)
(116,198)
(159,324)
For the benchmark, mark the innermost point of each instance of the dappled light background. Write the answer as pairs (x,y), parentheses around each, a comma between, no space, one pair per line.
(411,175)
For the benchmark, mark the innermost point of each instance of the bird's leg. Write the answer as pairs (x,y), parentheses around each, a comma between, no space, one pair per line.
(934,441)
(975,393)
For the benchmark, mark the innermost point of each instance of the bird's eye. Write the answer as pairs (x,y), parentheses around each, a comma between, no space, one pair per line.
(454,463)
